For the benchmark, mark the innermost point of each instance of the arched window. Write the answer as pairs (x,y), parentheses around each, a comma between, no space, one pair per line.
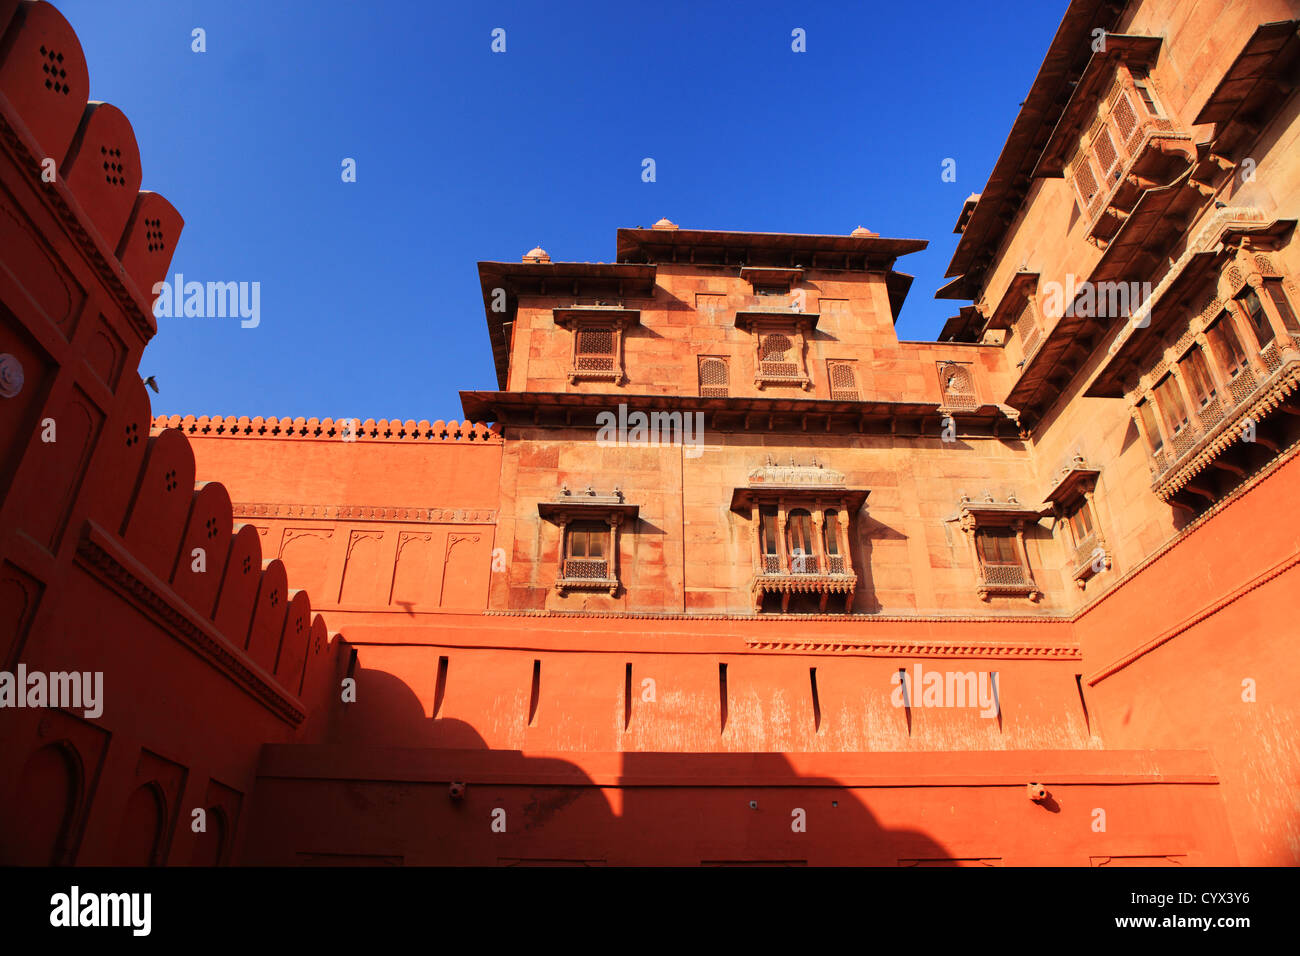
(844,382)
(773,355)
(799,541)
(831,532)
(831,537)
(958,388)
(713,377)
(768,541)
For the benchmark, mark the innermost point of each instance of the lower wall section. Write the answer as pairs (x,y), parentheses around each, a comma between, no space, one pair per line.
(322,804)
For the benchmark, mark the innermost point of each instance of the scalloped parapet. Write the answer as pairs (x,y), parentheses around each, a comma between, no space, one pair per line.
(331,429)
(47,123)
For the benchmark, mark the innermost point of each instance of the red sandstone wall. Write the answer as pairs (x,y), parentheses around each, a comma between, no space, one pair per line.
(687,810)
(400,521)
(1195,649)
(112,558)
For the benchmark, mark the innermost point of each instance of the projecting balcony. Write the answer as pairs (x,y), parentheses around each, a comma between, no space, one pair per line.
(1114,140)
(1245,401)
(823,576)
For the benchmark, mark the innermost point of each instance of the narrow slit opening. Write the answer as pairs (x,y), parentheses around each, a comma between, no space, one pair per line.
(722,694)
(627,697)
(536,693)
(440,687)
(816,701)
(1083,702)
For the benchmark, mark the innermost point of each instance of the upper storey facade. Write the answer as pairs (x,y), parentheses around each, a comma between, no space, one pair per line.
(707,314)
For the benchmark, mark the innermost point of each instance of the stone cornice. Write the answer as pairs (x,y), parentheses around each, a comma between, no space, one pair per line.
(400,513)
(102,556)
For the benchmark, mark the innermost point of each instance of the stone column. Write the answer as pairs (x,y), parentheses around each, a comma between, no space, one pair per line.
(968,527)
(842,537)
(1217,379)
(818,533)
(611,564)
(781,517)
(1246,336)
(756,539)
(1024,557)
(1189,403)
(1284,337)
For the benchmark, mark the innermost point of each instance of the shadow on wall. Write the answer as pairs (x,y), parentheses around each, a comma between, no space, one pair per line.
(396,786)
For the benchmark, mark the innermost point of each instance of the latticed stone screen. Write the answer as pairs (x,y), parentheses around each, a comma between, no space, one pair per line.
(1085,181)
(958,386)
(844,381)
(585,569)
(1027,328)
(774,356)
(1125,119)
(1005,574)
(713,378)
(1104,149)
(1241,387)
(595,350)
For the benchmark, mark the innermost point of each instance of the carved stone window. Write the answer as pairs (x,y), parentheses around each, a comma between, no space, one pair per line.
(589,526)
(780,344)
(714,377)
(958,386)
(1237,359)
(1027,329)
(843,377)
(799,515)
(598,333)
(995,533)
(1113,140)
(1074,506)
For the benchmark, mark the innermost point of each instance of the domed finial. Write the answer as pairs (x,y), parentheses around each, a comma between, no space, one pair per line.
(664,224)
(862,232)
(537,254)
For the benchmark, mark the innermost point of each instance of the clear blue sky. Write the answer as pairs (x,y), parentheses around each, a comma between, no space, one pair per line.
(370,303)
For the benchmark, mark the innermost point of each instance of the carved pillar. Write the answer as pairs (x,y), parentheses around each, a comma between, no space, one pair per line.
(1156,416)
(1190,404)
(756,539)
(1246,336)
(563,522)
(612,566)
(1090,499)
(1217,380)
(842,537)
(1141,428)
(818,546)
(1024,557)
(1285,338)
(968,527)
(781,517)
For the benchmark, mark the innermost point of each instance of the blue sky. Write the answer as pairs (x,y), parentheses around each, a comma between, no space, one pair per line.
(370,304)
